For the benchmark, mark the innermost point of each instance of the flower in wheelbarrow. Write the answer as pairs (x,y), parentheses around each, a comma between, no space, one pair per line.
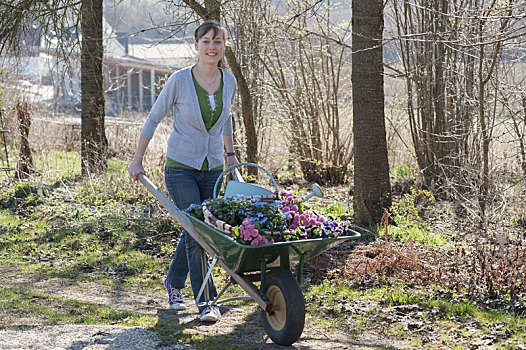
(196,211)
(259,240)
(249,234)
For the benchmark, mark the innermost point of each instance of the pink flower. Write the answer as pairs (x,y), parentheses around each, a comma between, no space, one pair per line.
(295,208)
(254,233)
(302,217)
(245,235)
(247,222)
(321,219)
(262,240)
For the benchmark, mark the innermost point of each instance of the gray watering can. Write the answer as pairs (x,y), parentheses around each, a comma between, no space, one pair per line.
(240,187)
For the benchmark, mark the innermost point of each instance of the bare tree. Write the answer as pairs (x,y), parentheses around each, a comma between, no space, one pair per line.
(451,52)
(308,72)
(60,18)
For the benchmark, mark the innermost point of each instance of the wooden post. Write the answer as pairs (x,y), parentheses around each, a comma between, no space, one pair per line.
(141,90)
(152,87)
(129,88)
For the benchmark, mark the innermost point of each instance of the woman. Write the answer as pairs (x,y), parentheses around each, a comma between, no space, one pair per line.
(201,97)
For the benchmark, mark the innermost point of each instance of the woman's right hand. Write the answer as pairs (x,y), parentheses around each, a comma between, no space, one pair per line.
(135,168)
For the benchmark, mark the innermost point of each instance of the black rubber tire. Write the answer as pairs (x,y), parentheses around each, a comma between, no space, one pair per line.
(284,325)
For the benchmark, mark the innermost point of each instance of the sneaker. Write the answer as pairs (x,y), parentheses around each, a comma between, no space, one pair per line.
(175,298)
(210,314)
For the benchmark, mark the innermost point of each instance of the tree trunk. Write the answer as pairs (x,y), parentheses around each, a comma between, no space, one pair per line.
(246,109)
(94,144)
(24,166)
(371,166)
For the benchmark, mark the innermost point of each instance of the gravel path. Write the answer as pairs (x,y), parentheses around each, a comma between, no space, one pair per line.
(73,337)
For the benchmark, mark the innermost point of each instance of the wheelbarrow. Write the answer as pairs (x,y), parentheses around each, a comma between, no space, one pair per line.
(279,294)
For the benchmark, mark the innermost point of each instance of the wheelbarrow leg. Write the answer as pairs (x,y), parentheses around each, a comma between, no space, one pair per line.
(206,275)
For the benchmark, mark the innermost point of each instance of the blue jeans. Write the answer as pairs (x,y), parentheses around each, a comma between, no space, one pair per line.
(189,186)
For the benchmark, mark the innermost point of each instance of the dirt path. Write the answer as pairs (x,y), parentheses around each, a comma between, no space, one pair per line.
(240,323)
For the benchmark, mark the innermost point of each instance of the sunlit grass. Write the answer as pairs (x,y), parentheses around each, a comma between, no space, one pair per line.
(47,309)
(418,234)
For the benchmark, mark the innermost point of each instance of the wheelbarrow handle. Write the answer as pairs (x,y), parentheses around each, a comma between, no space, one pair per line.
(167,204)
(237,175)
(189,227)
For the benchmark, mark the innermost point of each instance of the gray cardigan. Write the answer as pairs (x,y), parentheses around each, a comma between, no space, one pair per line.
(190,142)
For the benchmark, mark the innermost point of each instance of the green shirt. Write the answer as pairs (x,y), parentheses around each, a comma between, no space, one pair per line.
(209,115)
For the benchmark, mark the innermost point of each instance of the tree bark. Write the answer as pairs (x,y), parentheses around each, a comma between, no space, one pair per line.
(94,144)
(371,166)
(24,166)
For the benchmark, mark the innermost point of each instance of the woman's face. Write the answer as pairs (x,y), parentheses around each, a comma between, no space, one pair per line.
(210,49)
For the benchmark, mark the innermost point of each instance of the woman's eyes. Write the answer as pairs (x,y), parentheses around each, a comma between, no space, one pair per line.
(217,42)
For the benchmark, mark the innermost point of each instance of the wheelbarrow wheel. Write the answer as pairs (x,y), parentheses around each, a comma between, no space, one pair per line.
(284,322)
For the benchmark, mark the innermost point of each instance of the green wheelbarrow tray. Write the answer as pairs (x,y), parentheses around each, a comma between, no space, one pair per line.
(279,294)
(245,258)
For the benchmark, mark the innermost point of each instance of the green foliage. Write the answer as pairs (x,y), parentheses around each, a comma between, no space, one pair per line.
(462,309)
(403,171)
(400,297)
(334,209)
(404,211)
(24,194)
(406,216)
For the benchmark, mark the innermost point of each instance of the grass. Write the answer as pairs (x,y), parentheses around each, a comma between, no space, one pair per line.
(110,231)
(420,235)
(46,309)
(403,171)
(338,306)
(101,229)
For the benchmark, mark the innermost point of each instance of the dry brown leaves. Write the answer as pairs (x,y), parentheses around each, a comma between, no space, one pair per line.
(380,260)
(481,270)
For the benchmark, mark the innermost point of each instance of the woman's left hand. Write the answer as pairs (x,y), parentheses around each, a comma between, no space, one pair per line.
(231,161)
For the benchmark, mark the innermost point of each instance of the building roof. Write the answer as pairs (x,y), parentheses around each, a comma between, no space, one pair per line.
(180,55)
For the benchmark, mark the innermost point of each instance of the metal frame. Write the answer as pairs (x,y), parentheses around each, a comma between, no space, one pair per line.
(185,222)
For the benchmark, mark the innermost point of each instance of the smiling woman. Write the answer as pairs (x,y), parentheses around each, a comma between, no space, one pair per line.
(201,97)
(210,43)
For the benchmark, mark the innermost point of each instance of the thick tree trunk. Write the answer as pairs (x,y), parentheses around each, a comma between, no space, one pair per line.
(371,166)
(94,144)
